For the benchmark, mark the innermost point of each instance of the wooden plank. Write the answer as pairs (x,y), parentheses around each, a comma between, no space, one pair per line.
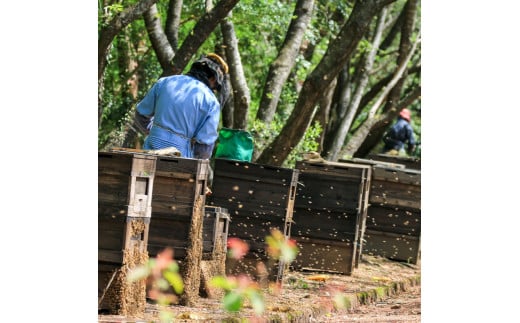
(373,162)
(127,150)
(395,194)
(393,246)
(409,162)
(252,172)
(404,176)
(330,164)
(254,179)
(215,229)
(325,255)
(395,220)
(110,256)
(182,165)
(325,225)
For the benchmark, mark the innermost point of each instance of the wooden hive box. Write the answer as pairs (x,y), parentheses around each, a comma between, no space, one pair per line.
(394,233)
(258,198)
(125,183)
(396,187)
(178,196)
(215,230)
(394,215)
(177,217)
(393,227)
(214,249)
(329,215)
(176,212)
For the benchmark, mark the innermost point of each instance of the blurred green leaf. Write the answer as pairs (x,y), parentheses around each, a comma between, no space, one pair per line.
(175,281)
(162,283)
(257,301)
(138,273)
(223,282)
(233,301)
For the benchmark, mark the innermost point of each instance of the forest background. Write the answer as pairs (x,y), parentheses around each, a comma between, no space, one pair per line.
(50,90)
(306,75)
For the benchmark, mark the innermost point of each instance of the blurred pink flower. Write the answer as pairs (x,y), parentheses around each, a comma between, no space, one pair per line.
(237,248)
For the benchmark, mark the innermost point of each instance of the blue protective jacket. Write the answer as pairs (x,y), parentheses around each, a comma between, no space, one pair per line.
(184,114)
(400,133)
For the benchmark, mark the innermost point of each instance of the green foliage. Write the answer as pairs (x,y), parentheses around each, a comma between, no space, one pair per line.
(280,249)
(259,44)
(233,301)
(238,290)
(264,134)
(298,283)
(308,143)
(416,125)
(241,289)
(116,92)
(259,41)
(108,12)
(341,301)
(303,67)
(163,272)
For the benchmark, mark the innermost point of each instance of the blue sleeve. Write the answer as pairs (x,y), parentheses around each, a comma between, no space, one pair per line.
(208,130)
(147,105)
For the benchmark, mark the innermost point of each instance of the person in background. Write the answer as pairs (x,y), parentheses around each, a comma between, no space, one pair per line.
(400,134)
(183,111)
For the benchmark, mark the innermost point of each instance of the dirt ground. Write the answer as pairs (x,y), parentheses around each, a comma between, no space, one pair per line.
(402,307)
(379,290)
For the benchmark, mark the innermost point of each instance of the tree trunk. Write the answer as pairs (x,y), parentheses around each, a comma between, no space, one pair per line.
(342,94)
(322,115)
(362,82)
(363,131)
(337,55)
(227,110)
(391,109)
(109,32)
(204,27)
(161,45)
(173,20)
(282,65)
(241,96)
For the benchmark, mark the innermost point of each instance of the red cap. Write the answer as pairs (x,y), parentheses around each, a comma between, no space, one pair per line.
(405,114)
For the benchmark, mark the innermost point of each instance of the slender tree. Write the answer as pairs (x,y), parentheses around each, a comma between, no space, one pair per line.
(325,67)
(173,20)
(337,55)
(204,27)
(241,95)
(361,83)
(376,126)
(107,35)
(280,69)
(361,133)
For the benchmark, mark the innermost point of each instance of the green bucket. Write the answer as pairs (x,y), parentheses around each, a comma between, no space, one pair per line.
(234,144)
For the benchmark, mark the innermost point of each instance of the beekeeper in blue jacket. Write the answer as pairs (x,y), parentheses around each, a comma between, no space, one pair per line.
(183,111)
(400,135)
